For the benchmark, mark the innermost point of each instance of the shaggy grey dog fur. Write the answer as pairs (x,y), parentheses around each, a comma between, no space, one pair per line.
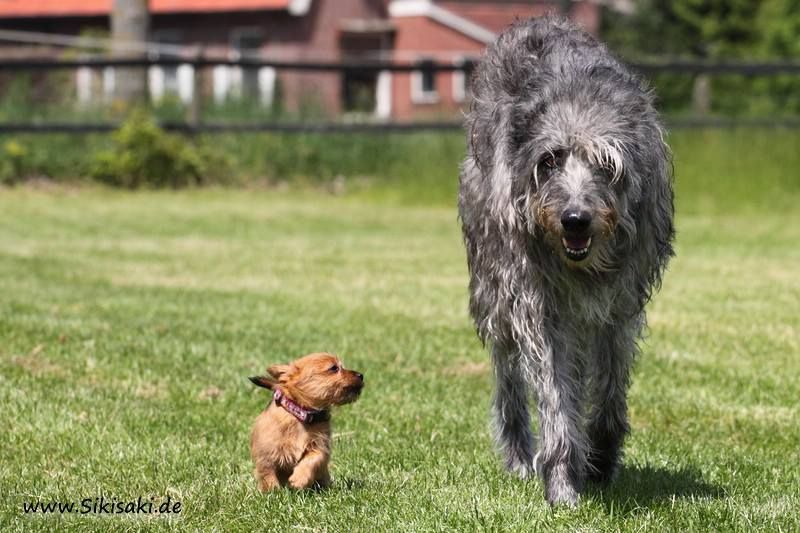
(566,204)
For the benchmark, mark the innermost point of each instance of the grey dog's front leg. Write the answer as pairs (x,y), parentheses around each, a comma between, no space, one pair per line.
(563,443)
(512,425)
(608,420)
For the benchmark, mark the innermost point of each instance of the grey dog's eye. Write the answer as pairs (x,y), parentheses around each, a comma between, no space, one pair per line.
(608,172)
(550,162)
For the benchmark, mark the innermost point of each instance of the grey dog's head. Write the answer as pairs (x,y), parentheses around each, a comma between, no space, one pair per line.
(568,147)
(574,199)
(578,161)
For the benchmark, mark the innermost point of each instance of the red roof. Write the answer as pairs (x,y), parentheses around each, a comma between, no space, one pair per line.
(76,8)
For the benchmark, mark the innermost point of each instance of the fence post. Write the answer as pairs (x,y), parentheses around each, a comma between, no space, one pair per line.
(701,95)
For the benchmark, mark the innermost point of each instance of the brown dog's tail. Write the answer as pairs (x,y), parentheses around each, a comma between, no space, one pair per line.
(263,381)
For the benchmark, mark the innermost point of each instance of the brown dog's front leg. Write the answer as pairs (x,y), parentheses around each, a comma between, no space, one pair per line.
(308,470)
(324,478)
(267,478)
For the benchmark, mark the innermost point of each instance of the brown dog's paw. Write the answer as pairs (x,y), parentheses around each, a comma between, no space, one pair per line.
(268,483)
(300,481)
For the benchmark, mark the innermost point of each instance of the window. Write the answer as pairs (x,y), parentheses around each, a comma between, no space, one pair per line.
(246,43)
(170,80)
(423,84)
(365,93)
(359,91)
(245,82)
(109,83)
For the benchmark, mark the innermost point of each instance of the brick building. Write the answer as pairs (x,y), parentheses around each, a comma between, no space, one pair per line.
(327,30)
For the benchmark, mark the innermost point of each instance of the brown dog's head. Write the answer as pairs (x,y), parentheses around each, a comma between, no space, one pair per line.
(317,381)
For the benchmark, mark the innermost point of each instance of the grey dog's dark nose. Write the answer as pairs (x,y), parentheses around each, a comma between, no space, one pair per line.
(576,221)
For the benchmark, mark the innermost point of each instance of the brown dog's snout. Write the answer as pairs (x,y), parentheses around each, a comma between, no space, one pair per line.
(357,379)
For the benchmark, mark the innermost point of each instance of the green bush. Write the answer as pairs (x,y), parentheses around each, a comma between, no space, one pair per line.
(13,162)
(714,31)
(144,155)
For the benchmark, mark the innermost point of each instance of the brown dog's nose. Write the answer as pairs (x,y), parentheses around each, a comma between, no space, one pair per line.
(360,376)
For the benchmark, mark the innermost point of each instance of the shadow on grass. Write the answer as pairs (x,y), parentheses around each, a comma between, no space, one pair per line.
(348,484)
(642,487)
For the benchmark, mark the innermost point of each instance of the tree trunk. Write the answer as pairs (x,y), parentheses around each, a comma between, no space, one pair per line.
(130,20)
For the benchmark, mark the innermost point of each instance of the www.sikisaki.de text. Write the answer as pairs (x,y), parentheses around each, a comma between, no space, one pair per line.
(105,506)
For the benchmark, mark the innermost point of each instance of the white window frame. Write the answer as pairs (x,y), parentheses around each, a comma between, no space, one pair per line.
(185,75)
(418,94)
(266,85)
(459,78)
(383,95)
(109,83)
(155,82)
(221,75)
(83,83)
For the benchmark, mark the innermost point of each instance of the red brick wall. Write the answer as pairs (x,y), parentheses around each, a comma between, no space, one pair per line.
(420,35)
(496,16)
(417,35)
(587,14)
(314,36)
(317,36)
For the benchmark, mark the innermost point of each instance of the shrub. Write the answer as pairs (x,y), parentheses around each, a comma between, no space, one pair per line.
(144,155)
(13,162)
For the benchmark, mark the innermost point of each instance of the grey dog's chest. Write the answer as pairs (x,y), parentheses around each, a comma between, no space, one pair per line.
(585,307)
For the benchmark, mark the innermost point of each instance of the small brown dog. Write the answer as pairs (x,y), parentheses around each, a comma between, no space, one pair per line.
(291,439)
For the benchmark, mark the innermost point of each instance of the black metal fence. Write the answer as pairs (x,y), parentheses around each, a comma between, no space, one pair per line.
(194,120)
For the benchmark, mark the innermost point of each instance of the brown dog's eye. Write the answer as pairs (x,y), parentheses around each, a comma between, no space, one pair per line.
(334,369)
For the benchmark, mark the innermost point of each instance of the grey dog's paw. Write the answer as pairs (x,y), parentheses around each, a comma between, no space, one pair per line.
(561,485)
(518,455)
(565,497)
(522,467)
(603,469)
(558,493)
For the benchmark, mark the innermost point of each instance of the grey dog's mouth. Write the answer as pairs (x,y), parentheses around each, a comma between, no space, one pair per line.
(576,249)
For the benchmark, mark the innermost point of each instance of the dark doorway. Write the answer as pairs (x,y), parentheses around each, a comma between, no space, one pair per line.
(362,42)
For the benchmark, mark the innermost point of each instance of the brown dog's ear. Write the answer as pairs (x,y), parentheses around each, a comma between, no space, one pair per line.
(263,381)
(279,371)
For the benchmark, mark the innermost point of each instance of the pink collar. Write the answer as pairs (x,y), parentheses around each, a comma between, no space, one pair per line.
(303,414)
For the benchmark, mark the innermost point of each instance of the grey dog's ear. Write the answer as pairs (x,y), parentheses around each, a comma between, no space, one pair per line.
(500,175)
(263,381)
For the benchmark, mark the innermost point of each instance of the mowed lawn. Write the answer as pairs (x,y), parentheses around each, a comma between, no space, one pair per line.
(129,323)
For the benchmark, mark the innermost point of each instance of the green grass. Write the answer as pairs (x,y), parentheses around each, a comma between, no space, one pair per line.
(716,169)
(130,321)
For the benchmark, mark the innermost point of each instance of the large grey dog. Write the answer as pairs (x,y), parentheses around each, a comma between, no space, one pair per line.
(566,204)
